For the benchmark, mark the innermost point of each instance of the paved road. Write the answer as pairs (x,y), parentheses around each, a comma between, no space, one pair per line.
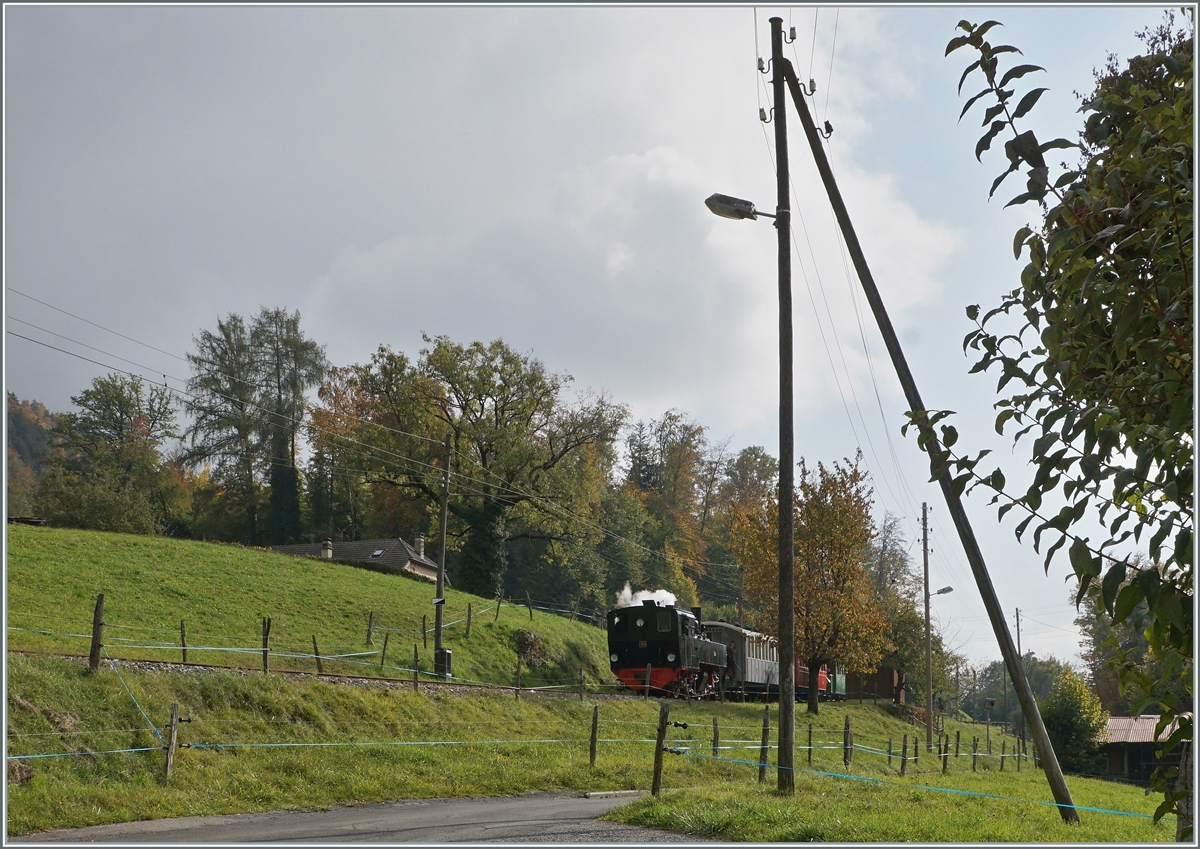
(533,818)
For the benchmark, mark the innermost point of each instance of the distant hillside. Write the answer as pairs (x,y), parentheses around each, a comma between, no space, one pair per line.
(223,592)
(29,423)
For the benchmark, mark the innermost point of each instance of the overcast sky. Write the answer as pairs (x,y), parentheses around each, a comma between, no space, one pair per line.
(538,175)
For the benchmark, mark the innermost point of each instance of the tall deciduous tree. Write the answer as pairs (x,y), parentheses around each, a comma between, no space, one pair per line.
(1103,348)
(526,458)
(1075,722)
(107,472)
(838,619)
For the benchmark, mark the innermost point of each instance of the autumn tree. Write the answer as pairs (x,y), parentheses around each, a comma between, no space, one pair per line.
(838,618)
(1098,341)
(1075,722)
(528,460)
(106,471)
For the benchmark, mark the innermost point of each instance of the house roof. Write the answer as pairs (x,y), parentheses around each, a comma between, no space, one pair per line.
(389,554)
(1136,729)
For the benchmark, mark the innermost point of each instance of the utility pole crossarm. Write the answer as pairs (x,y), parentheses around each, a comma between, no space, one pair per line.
(1029,709)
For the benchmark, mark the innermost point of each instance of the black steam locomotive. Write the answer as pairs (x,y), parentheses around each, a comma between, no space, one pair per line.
(687,658)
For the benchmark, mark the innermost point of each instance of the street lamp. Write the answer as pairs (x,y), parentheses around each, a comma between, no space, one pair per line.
(737,209)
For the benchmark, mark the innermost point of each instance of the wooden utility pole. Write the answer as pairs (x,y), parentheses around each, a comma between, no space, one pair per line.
(928,637)
(441,665)
(785,775)
(991,604)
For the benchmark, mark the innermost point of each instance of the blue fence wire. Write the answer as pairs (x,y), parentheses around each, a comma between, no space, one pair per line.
(153,727)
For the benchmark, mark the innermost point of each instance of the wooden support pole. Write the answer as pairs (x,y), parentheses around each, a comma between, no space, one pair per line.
(183,640)
(974,753)
(317,655)
(266,649)
(810,748)
(946,754)
(416,666)
(847,748)
(97,634)
(716,737)
(766,742)
(173,740)
(383,654)
(581,683)
(468,635)
(595,734)
(904,756)
(371,628)
(1017,746)
(916,752)
(424,632)
(529,604)
(889,752)
(518,687)
(664,709)
(499,601)
(1003,753)
(957,735)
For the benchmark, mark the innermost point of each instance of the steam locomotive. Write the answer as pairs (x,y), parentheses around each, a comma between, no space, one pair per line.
(687,658)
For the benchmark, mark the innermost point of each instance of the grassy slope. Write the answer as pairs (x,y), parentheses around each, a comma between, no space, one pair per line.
(54,706)
(223,592)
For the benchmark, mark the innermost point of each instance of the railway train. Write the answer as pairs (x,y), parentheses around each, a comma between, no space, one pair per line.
(685,657)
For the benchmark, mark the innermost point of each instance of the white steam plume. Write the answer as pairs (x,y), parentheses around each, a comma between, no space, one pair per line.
(628,598)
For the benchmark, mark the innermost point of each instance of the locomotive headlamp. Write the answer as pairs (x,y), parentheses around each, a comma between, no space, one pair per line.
(670,658)
(641,623)
(613,657)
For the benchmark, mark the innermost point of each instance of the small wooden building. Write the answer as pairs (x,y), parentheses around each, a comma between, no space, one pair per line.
(884,684)
(392,556)
(1131,746)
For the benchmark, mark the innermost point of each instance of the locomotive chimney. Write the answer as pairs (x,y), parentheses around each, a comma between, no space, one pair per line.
(649,602)
(696,613)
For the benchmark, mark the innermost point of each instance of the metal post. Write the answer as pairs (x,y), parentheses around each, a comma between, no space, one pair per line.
(991,604)
(787,462)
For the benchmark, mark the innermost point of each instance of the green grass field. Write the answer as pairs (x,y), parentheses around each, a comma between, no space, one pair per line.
(267,742)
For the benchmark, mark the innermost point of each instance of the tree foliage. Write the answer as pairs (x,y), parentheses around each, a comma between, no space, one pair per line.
(527,460)
(837,616)
(106,472)
(1075,722)
(1103,352)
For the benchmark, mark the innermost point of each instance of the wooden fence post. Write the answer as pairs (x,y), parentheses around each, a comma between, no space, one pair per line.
(581,683)
(716,737)
(518,689)
(183,640)
(847,745)
(974,753)
(766,742)
(97,634)
(889,752)
(916,752)
(663,710)
(468,635)
(383,654)
(1017,746)
(904,756)
(266,644)
(529,604)
(173,739)
(957,735)
(317,655)
(1003,751)
(946,754)
(595,734)
(370,628)
(810,742)
(424,633)
(499,601)
(416,666)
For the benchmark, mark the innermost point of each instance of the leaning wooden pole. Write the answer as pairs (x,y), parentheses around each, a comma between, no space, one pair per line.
(1029,708)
